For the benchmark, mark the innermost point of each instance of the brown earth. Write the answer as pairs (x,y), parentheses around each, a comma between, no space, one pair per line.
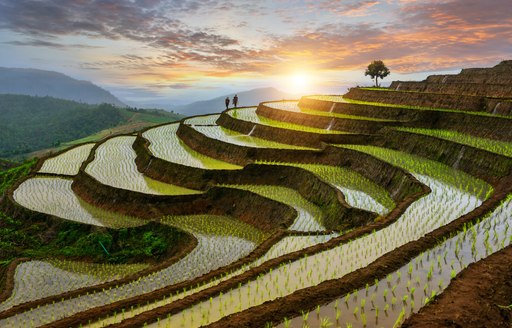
(477,297)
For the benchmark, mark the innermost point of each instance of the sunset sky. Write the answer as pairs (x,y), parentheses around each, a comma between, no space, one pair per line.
(181,51)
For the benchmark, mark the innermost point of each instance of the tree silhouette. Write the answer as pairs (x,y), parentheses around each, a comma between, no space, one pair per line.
(377,70)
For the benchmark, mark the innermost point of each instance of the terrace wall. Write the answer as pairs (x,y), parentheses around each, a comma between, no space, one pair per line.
(263,213)
(476,162)
(471,89)
(431,100)
(291,137)
(492,127)
(396,181)
(338,214)
(322,122)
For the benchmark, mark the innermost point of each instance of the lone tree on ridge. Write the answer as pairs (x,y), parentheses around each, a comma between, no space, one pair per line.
(377,70)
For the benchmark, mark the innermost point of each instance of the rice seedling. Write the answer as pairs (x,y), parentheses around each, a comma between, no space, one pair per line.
(54,196)
(38,279)
(114,165)
(293,106)
(67,163)
(433,279)
(249,115)
(165,144)
(228,136)
(309,216)
(494,146)
(359,191)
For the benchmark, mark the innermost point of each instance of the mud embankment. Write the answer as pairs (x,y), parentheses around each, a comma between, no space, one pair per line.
(469,89)
(480,163)
(260,212)
(491,127)
(358,126)
(338,214)
(290,137)
(397,182)
(431,100)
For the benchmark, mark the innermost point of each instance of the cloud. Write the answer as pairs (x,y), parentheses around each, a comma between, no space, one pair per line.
(49,44)
(320,35)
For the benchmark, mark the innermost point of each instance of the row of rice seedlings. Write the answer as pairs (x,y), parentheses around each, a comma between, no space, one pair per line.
(359,191)
(165,144)
(202,120)
(212,252)
(216,225)
(53,196)
(229,136)
(434,169)
(249,115)
(67,163)
(389,301)
(114,165)
(444,204)
(38,279)
(494,146)
(293,106)
(285,246)
(309,216)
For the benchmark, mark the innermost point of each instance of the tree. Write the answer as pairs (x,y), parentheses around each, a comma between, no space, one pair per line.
(377,70)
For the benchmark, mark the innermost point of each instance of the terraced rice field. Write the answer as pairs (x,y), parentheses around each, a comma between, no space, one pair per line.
(249,115)
(165,144)
(114,165)
(293,106)
(54,196)
(423,215)
(67,163)
(220,133)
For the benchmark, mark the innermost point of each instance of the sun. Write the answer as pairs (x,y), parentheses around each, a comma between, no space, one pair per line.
(300,82)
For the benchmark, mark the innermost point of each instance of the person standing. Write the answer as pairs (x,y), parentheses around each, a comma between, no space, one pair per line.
(227,102)
(235,101)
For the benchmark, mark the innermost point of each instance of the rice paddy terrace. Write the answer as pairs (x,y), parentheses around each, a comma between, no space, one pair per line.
(347,211)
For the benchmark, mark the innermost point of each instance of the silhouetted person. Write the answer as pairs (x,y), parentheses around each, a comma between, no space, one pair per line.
(235,101)
(227,102)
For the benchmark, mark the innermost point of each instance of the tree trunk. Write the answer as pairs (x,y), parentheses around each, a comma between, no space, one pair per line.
(376,83)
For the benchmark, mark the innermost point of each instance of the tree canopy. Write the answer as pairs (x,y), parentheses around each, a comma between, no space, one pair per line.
(377,70)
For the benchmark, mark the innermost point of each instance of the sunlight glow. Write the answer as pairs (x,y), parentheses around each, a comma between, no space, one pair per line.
(300,82)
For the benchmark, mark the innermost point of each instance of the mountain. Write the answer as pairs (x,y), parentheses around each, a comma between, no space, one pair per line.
(245,98)
(34,82)
(28,124)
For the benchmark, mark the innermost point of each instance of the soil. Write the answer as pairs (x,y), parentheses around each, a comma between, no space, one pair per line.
(477,297)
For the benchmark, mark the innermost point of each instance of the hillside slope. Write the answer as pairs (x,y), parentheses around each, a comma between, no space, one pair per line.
(34,82)
(30,123)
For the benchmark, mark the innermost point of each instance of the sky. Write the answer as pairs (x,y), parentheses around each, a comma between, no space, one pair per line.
(179,51)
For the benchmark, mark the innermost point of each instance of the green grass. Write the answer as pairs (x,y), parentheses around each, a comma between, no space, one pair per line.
(495,146)
(8,177)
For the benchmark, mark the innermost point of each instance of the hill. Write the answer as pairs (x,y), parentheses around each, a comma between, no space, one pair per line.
(31,123)
(34,82)
(246,98)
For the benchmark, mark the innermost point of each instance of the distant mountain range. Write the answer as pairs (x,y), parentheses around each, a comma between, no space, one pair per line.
(246,98)
(34,82)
